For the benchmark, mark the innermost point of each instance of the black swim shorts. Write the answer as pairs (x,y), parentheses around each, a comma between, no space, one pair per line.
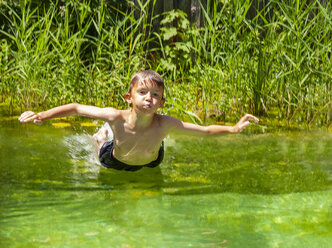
(107,159)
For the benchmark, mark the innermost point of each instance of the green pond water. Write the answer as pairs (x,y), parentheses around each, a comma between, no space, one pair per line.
(252,189)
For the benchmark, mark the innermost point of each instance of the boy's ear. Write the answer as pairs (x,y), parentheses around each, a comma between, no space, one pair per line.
(128,98)
(162,102)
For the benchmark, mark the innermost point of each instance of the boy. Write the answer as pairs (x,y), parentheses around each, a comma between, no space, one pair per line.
(139,131)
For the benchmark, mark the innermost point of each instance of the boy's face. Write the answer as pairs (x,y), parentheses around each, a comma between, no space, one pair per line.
(146,97)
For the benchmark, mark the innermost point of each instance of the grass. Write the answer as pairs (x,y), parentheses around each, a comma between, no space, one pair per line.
(275,63)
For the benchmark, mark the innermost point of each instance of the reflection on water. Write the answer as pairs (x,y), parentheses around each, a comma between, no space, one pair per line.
(247,190)
(262,164)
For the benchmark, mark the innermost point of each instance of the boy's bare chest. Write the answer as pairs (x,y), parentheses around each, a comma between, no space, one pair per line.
(145,143)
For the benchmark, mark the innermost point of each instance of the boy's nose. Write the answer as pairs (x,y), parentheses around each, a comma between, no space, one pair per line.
(149,96)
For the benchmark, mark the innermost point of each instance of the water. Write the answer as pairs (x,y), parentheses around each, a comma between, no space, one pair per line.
(247,190)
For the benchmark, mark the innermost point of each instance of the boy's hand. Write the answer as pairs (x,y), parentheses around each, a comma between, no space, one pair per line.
(30,116)
(244,122)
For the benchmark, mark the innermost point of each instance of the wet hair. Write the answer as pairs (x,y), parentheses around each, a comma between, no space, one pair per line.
(146,77)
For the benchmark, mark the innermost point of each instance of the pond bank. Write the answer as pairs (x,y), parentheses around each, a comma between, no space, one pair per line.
(266,124)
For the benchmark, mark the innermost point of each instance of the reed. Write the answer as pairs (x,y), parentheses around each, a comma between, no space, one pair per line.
(276,63)
(268,65)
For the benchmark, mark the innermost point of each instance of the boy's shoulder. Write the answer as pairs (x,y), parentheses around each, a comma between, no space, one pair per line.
(114,114)
(164,118)
(167,121)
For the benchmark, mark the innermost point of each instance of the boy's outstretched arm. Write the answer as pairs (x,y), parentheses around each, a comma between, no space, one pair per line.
(186,128)
(107,114)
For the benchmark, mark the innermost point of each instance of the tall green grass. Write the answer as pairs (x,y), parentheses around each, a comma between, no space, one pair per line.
(276,63)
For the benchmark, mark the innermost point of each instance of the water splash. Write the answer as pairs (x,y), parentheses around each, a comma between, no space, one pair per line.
(82,150)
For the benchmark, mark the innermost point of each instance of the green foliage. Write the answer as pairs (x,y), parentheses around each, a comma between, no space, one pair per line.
(175,42)
(274,62)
